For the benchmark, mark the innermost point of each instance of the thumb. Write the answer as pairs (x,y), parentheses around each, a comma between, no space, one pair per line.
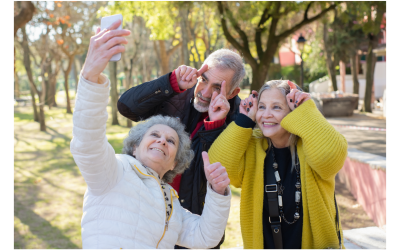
(206,160)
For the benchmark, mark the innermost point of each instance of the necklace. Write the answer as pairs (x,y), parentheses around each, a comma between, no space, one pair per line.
(280,188)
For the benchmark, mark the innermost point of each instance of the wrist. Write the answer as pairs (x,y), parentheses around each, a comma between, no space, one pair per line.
(91,78)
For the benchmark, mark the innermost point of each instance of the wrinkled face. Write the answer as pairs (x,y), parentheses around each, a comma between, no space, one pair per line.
(158,148)
(272,108)
(209,82)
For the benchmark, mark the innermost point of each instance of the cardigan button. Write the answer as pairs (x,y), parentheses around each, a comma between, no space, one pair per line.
(166,91)
(182,200)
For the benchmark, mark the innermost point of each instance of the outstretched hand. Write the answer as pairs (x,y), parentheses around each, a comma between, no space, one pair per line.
(103,45)
(187,76)
(219,105)
(216,175)
(296,97)
(249,106)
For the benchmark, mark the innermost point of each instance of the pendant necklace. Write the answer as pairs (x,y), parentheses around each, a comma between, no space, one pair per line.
(280,188)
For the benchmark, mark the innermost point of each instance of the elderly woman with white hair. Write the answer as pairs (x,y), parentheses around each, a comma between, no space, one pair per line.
(128,203)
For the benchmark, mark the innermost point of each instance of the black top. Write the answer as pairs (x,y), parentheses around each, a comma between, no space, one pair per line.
(291,234)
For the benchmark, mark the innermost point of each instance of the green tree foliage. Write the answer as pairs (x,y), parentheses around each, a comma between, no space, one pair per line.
(257,29)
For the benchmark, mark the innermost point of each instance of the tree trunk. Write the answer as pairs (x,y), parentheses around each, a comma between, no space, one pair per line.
(354,73)
(75,74)
(342,68)
(16,85)
(66,75)
(259,77)
(114,92)
(328,57)
(183,12)
(369,77)
(164,57)
(24,16)
(27,64)
(35,112)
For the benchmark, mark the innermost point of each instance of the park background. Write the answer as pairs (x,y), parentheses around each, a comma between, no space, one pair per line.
(305,42)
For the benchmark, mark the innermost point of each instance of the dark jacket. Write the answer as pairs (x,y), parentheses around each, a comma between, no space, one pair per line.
(157,97)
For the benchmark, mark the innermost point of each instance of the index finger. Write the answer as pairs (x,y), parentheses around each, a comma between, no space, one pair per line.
(223,88)
(292,85)
(206,160)
(202,70)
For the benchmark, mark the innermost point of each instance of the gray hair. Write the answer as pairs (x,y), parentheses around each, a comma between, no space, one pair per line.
(227,59)
(284,88)
(184,154)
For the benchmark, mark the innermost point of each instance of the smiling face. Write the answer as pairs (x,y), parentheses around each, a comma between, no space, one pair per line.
(158,149)
(209,82)
(272,108)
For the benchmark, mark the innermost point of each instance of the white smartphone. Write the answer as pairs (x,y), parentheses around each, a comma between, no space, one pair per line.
(105,23)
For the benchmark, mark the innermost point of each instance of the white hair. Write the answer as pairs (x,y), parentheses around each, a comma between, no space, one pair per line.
(227,59)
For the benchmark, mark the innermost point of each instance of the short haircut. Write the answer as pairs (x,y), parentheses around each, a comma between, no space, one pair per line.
(184,154)
(227,59)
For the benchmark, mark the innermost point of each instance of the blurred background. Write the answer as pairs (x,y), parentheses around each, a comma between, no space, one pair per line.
(334,50)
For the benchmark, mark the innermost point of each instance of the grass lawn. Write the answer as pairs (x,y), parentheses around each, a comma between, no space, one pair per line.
(48,186)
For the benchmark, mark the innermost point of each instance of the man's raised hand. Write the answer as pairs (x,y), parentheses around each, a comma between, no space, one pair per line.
(216,175)
(187,76)
(219,105)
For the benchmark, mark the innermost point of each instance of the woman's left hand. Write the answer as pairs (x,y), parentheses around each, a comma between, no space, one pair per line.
(296,97)
(216,175)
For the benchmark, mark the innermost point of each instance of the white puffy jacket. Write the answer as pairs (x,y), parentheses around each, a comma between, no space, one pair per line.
(124,207)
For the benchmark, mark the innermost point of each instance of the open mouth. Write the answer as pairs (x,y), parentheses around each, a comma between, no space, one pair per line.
(157,149)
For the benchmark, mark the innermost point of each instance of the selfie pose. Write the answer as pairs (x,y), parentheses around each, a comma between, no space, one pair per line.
(286,168)
(128,203)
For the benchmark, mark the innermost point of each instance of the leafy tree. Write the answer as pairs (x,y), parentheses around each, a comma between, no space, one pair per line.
(256,29)
(160,18)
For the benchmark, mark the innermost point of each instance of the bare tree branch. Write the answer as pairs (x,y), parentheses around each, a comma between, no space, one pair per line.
(24,16)
(304,22)
(246,53)
(235,25)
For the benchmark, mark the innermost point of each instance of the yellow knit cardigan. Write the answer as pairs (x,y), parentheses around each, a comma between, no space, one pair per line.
(322,152)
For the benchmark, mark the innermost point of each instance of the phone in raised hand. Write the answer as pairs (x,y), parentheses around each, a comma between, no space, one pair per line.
(105,23)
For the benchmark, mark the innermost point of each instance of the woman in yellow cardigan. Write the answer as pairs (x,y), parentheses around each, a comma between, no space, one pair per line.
(286,168)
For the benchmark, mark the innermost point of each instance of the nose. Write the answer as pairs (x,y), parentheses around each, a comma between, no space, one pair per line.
(162,140)
(267,113)
(207,91)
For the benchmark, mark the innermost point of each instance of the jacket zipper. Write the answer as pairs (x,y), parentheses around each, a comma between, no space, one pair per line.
(167,221)
(172,204)
(147,97)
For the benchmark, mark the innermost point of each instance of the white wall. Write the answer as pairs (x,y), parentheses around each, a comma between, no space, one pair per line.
(379,82)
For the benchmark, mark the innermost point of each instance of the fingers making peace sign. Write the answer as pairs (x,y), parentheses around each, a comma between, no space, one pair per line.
(216,175)
(219,105)
(296,97)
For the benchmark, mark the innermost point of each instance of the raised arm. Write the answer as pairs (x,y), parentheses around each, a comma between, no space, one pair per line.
(146,99)
(325,148)
(92,153)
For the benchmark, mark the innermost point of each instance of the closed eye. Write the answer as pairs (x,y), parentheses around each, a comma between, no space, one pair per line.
(155,134)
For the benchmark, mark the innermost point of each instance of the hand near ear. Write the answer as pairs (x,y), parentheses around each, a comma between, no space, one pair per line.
(296,97)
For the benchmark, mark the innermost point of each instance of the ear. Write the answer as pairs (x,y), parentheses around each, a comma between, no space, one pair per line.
(234,93)
(134,152)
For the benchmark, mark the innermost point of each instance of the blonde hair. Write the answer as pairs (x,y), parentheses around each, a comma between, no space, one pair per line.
(284,88)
